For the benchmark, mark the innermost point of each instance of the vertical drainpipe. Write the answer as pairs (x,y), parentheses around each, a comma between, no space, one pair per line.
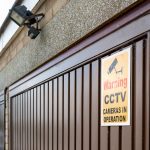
(6,118)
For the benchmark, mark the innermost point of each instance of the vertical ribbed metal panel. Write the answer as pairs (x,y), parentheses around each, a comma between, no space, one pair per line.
(50,116)
(86,106)
(64,113)
(46,116)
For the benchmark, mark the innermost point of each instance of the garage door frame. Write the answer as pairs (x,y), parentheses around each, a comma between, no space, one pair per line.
(125,35)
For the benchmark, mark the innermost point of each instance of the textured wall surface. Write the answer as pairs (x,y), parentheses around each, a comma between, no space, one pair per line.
(71,23)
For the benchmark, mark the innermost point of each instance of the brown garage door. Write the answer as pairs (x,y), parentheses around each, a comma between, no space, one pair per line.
(59,108)
(2,121)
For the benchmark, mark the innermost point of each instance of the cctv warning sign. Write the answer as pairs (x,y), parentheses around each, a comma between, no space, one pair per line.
(115,89)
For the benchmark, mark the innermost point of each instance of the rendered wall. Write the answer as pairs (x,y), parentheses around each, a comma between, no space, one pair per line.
(68,21)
